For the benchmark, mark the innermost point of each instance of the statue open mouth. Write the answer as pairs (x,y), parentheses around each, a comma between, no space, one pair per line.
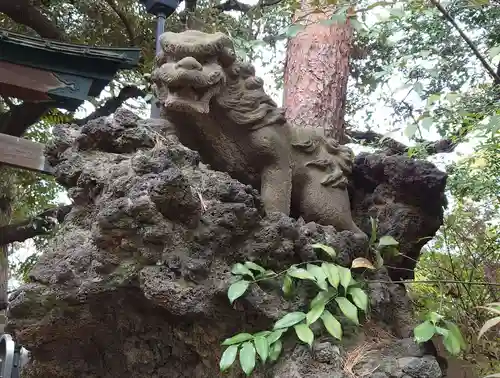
(189,98)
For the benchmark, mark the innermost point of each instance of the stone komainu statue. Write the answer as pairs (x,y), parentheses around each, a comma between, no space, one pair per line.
(218,107)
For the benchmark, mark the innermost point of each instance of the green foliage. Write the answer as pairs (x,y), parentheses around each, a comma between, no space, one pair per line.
(337,293)
(437,325)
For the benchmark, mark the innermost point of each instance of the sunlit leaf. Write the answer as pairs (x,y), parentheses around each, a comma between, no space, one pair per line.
(301,274)
(253,266)
(237,289)
(304,333)
(332,273)
(319,274)
(424,332)
(239,338)
(345,276)
(488,325)
(386,241)
(290,319)
(228,357)
(275,350)
(410,130)
(262,347)
(451,343)
(359,297)
(275,335)
(348,309)
(287,285)
(315,313)
(494,51)
(247,357)
(332,325)
(240,269)
(323,297)
(329,250)
(427,122)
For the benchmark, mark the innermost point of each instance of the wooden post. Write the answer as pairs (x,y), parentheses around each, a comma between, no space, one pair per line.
(23,153)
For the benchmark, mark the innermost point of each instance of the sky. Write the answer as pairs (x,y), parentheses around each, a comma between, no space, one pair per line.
(379,117)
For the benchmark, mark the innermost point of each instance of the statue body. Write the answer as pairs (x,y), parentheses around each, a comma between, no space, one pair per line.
(219,108)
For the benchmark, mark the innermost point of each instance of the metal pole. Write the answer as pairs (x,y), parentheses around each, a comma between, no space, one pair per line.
(160,28)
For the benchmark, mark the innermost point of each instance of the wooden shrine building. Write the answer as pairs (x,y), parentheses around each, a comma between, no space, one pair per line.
(51,74)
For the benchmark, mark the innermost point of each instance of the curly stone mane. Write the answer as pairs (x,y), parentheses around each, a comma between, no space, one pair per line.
(245,101)
(247,104)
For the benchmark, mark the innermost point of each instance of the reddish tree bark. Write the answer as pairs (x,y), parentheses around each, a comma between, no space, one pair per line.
(316,72)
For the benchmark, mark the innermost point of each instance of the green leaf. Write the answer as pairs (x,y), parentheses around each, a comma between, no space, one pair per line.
(319,274)
(345,276)
(452,344)
(456,332)
(410,130)
(424,332)
(240,269)
(301,274)
(386,241)
(294,29)
(262,333)
(287,285)
(494,51)
(262,347)
(359,298)
(315,313)
(442,331)
(332,274)
(323,297)
(348,309)
(397,12)
(325,248)
(253,266)
(247,357)
(275,335)
(427,122)
(236,290)
(228,357)
(304,333)
(275,350)
(488,325)
(433,98)
(289,320)
(239,338)
(419,88)
(332,325)
(434,317)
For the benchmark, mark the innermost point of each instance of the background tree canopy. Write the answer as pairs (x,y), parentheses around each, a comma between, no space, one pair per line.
(424,82)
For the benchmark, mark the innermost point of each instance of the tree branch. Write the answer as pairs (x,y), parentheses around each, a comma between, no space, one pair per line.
(23,12)
(235,5)
(396,148)
(111,105)
(123,17)
(485,64)
(41,224)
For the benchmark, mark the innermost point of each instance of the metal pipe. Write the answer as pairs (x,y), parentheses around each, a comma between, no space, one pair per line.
(160,28)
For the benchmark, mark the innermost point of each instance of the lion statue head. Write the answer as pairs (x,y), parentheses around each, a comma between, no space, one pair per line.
(196,72)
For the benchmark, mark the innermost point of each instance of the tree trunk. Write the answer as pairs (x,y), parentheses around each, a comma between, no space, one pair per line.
(316,72)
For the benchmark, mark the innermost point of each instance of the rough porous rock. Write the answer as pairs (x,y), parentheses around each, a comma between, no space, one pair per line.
(134,283)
